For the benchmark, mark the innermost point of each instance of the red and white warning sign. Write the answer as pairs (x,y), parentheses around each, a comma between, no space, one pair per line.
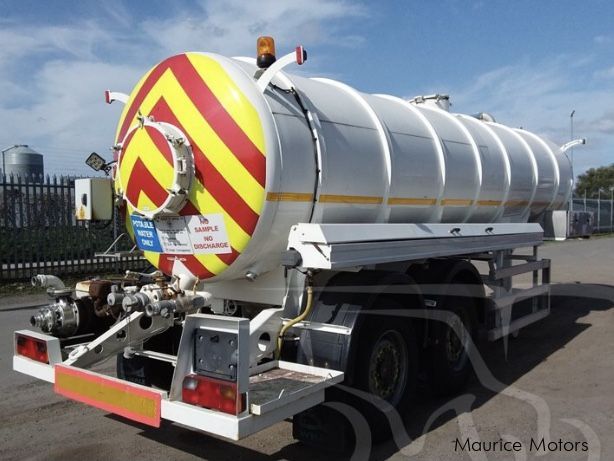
(208,234)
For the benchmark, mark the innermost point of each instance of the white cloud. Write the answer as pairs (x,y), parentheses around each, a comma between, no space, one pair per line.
(605,123)
(53,75)
(231,26)
(603,39)
(51,88)
(74,41)
(539,96)
(607,73)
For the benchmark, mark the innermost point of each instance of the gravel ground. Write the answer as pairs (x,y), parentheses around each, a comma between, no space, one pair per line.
(557,380)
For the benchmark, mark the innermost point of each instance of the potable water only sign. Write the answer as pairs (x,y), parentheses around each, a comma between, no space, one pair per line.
(145,234)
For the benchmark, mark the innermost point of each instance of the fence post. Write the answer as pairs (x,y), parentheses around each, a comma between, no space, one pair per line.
(3,221)
(599,211)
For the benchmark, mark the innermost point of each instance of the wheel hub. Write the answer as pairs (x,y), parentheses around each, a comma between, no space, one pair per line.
(388,367)
(455,344)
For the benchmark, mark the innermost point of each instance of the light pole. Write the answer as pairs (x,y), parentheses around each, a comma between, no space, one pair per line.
(599,209)
(573,112)
(573,178)
(611,208)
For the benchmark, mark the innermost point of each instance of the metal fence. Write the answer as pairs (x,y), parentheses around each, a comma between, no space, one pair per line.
(39,232)
(602,213)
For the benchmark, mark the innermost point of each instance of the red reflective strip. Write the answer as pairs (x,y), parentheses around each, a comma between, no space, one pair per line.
(167,260)
(125,143)
(189,210)
(196,267)
(165,263)
(146,183)
(225,195)
(161,144)
(214,182)
(229,258)
(222,123)
(138,99)
(160,141)
(210,108)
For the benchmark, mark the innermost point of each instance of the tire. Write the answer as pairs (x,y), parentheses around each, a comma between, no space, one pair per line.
(387,368)
(151,372)
(447,361)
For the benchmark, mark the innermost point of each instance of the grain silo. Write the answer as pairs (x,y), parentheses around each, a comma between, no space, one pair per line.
(21,160)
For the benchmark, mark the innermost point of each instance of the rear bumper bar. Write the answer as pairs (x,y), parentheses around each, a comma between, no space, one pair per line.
(150,406)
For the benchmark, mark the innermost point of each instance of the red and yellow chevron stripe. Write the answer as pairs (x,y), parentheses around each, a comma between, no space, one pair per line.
(194,93)
(146,191)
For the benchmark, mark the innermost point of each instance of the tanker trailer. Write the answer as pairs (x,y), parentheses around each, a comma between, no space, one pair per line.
(303,234)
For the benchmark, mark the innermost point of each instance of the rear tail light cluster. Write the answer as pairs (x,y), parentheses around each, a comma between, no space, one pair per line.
(213,393)
(35,349)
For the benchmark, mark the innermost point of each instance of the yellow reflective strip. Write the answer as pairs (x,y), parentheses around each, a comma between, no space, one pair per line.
(128,104)
(456,202)
(210,262)
(516,203)
(230,96)
(129,228)
(99,392)
(117,187)
(152,257)
(213,264)
(126,164)
(141,146)
(145,203)
(289,197)
(207,139)
(411,201)
(357,199)
(489,202)
(204,201)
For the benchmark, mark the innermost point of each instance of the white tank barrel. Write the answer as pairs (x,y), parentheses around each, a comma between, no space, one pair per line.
(215,172)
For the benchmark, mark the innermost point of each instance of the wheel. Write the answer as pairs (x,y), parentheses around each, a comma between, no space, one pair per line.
(386,368)
(447,360)
(150,372)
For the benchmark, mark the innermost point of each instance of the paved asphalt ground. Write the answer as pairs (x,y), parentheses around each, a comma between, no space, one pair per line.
(559,372)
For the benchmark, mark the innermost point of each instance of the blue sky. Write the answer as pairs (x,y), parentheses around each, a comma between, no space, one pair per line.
(529,63)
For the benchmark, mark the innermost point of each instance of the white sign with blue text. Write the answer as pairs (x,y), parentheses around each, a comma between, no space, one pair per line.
(202,234)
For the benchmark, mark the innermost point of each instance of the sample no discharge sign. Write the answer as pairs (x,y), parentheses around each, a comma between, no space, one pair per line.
(182,234)
(208,234)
